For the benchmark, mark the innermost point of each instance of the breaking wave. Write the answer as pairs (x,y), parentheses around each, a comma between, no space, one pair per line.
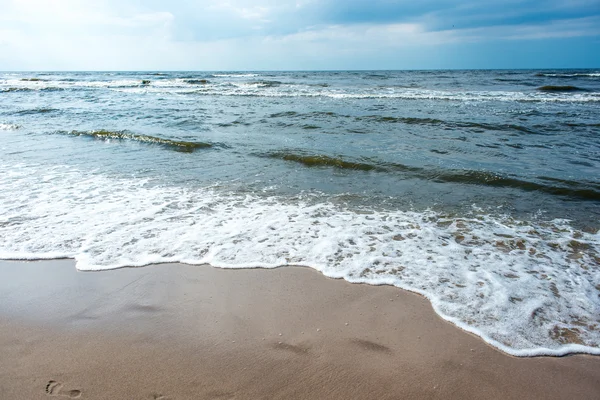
(9,127)
(526,287)
(559,187)
(178,145)
(552,88)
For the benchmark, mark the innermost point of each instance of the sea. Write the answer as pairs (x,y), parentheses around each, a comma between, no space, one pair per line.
(478,189)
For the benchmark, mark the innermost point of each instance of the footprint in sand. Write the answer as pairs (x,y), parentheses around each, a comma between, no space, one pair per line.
(54,388)
(155,396)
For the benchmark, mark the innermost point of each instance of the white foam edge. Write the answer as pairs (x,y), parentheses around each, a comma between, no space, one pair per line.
(9,127)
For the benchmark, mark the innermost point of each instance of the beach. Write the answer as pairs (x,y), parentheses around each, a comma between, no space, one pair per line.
(436,182)
(379,234)
(176,331)
(299,200)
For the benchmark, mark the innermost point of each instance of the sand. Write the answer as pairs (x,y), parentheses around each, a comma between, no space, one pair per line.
(195,332)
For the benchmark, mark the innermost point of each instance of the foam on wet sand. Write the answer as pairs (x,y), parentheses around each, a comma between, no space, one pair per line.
(527,287)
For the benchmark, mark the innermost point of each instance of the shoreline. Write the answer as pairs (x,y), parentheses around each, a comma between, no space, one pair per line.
(567,349)
(188,332)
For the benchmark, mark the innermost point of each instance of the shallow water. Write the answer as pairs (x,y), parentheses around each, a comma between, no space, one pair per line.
(478,189)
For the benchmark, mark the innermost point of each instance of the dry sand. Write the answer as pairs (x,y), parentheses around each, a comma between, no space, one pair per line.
(195,332)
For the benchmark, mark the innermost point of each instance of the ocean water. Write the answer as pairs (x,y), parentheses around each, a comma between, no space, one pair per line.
(478,189)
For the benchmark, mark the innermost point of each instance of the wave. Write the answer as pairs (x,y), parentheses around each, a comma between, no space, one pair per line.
(527,287)
(508,80)
(17,89)
(376,76)
(285,114)
(234,75)
(42,110)
(70,84)
(452,124)
(573,189)
(29,89)
(404,120)
(407,121)
(265,84)
(236,122)
(322,160)
(582,124)
(274,88)
(196,81)
(553,88)
(9,127)
(564,75)
(404,95)
(311,114)
(178,145)
(422,121)
(584,191)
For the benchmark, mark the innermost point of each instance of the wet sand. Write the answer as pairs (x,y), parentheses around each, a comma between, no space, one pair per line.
(194,332)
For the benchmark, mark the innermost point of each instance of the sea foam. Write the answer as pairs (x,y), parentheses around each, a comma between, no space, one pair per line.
(232,85)
(8,127)
(526,287)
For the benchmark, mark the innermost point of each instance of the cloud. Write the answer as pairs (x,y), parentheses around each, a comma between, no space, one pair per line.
(579,27)
(268,34)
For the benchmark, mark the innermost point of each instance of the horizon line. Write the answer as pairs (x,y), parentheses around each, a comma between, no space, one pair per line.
(304,70)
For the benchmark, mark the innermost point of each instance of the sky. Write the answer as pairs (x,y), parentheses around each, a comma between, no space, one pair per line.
(298,34)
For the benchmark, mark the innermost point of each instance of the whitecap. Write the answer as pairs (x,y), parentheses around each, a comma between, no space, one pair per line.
(9,127)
